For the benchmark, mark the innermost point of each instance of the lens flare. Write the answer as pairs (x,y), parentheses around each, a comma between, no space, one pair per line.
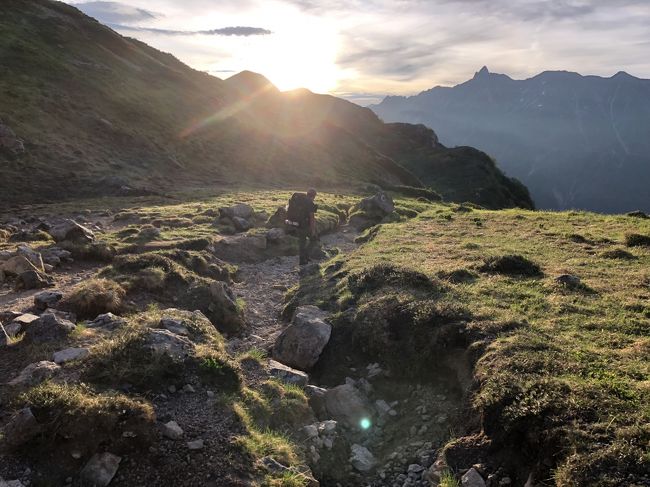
(365,423)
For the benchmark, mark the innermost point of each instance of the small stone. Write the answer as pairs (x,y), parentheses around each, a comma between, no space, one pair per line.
(172,389)
(47,299)
(505,481)
(210,394)
(188,388)
(100,469)
(172,430)
(195,445)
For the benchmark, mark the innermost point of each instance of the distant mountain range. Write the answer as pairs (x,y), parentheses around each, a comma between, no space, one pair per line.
(85,112)
(575,141)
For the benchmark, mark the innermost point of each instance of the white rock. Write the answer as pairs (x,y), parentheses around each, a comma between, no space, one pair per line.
(70,354)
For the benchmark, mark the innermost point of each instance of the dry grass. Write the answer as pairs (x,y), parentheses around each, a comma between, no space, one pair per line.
(94,297)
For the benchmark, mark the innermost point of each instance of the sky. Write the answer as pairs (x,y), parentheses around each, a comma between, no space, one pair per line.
(365,49)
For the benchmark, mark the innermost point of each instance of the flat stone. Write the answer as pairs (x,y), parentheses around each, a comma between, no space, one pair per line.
(175,326)
(70,354)
(25,319)
(287,374)
(100,469)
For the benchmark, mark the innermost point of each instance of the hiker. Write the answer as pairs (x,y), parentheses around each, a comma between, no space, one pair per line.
(301,217)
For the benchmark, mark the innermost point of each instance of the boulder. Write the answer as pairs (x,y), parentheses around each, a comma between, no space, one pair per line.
(275,234)
(287,374)
(54,256)
(47,299)
(241,248)
(240,210)
(71,231)
(31,255)
(33,279)
(472,479)
(345,403)
(379,204)
(21,428)
(171,430)
(241,224)
(48,327)
(18,265)
(70,354)
(278,218)
(107,321)
(100,469)
(35,373)
(362,459)
(301,343)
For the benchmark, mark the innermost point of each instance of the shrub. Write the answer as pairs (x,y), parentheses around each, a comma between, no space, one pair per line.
(95,297)
(637,240)
(511,265)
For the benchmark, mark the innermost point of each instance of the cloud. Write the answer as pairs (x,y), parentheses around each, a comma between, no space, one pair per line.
(224,31)
(116,13)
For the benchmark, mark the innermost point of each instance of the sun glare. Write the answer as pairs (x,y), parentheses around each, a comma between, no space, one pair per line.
(301,52)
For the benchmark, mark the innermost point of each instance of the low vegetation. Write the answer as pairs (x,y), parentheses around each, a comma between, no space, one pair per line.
(94,297)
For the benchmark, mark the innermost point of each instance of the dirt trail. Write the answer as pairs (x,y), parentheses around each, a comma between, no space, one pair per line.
(263,285)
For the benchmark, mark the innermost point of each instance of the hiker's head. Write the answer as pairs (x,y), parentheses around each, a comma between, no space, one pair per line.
(311,194)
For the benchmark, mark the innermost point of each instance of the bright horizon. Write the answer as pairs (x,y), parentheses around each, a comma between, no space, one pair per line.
(365,49)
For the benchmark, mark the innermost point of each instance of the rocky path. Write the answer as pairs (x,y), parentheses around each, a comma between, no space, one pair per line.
(263,285)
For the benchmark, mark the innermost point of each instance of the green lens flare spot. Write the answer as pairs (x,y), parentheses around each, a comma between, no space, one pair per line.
(365,423)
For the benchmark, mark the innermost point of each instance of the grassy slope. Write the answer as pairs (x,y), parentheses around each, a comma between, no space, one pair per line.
(571,382)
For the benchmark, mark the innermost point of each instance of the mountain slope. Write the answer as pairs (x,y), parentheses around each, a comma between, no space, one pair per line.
(95,110)
(575,141)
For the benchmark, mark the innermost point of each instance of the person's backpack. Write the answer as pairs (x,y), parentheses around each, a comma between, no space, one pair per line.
(297,210)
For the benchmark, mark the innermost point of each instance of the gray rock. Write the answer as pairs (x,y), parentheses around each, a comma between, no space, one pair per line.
(287,374)
(241,224)
(47,299)
(21,428)
(35,373)
(164,342)
(472,479)
(379,203)
(18,265)
(9,140)
(11,483)
(33,279)
(107,321)
(224,308)
(195,444)
(71,231)
(275,234)
(345,403)
(31,255)
(70,354)
(48,327)
(100,469)
(301,343)
(241,248)
(362,459)
(172,430)
(310,431)
(240,210)
(24,320)
(382,407)
(175,326)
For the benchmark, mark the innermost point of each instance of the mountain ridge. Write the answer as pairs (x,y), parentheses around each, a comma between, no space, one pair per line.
(576,141)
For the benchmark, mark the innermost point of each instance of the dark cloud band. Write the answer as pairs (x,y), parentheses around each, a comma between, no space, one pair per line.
(225,31)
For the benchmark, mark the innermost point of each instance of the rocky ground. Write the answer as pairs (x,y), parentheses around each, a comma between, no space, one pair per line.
(361,428)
